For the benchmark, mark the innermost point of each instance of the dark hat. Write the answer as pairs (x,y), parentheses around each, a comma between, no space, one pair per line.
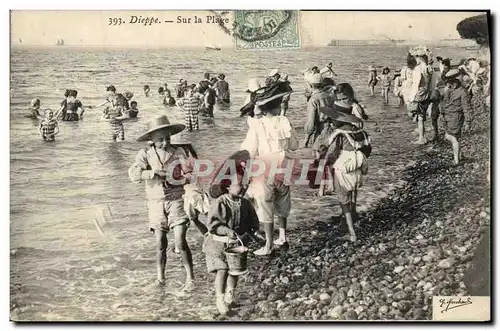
(266,94)
(111,88)
(339,114)
(327,81)
(221,76)
(161,123)
(220,187)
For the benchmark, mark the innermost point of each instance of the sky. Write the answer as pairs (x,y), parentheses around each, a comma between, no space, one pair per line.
(317,28)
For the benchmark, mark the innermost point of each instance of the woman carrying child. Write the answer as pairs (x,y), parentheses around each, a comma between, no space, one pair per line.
(346,152)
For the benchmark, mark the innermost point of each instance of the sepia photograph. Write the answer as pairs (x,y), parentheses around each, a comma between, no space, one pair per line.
(250,165)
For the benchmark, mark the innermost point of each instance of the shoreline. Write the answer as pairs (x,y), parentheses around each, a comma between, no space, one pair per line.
(415,243)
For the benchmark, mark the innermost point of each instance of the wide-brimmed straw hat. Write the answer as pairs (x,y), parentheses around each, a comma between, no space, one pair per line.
(264,95)
(339,114)
(270,93)
(160,123)
(219,187)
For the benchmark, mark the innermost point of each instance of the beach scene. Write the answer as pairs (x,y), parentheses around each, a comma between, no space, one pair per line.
(416,209)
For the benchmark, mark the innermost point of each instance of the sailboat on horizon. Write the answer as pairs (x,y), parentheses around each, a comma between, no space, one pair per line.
(60,42)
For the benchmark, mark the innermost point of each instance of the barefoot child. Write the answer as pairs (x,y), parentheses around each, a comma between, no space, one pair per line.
(49,127)
(348,150)
(164,169)
(385,79)
(456,105)
(372,79)
(398,87)
(231,216)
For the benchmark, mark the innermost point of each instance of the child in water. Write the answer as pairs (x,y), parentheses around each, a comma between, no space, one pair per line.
(169,101)
(146,91)
(35,110)
(191,104)
(386,84)
(115,117)
(372,79)
(133,111)
(398,87)
(231,217)
(49,127)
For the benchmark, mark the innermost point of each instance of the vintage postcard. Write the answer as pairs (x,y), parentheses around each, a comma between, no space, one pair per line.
(250,165)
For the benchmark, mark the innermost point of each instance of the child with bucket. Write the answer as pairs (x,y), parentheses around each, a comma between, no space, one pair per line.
(230,219)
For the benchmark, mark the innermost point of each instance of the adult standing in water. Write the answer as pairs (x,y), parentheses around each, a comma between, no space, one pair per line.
(70,106)
(406,77)
(418,97)
(116,99)
(269,139)
(222,92)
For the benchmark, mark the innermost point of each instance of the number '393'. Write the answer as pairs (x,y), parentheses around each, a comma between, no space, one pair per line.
(116,21)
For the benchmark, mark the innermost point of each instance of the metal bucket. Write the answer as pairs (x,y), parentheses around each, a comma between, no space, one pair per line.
(237,259)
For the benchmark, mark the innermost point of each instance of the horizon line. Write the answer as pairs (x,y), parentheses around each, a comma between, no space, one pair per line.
(385,41)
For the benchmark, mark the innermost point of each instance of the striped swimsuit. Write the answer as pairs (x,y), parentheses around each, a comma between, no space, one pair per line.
(191,106)
(117,133)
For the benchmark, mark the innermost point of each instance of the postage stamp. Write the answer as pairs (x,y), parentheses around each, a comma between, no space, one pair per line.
(266,29)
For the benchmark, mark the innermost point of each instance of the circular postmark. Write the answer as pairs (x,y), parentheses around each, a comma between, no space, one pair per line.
(255,25)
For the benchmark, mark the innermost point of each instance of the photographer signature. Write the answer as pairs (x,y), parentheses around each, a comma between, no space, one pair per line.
(453,303)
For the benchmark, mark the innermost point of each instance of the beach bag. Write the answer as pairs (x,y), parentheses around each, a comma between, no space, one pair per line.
(349,161)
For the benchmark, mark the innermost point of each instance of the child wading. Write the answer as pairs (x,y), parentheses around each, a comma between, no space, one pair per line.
(34,110)
(231,217)
(372,79)
(49,127)
(456,106)
(385,80)
(398,87)
(191,105)
(270,139)
(133,111)
(164,168)
(114,115)
(348,150)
